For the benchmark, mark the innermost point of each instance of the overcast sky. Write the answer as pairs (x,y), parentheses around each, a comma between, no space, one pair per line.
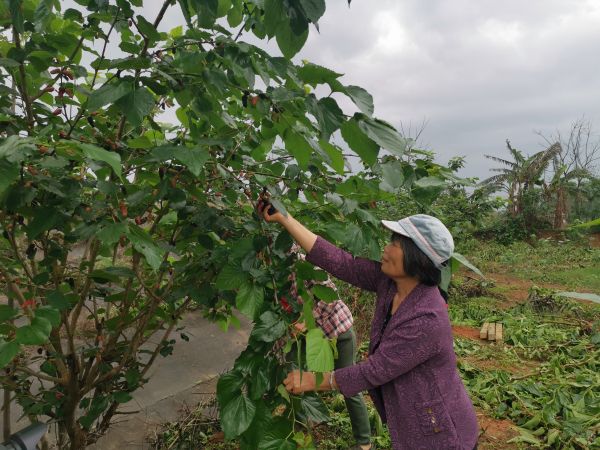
(477,71)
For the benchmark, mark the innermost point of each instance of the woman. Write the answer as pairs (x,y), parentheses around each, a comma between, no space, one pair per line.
(411,371)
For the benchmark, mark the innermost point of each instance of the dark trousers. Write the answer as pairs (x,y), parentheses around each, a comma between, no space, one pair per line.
(357,410)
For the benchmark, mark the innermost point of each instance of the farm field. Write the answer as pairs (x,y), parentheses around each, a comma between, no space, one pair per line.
(539,388)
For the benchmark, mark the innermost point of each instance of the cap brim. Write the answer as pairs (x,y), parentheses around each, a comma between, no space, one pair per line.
(395,227)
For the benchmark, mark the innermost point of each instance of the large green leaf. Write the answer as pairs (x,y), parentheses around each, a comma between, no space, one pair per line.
(34,334)
(289,42)
(325,293)
(229,387)
(8,351)
(50,314)
(314,408)
(335,156)
(44,219)
(93,152)
(237,415)
(143,243)
(361,98)
(299,147)
(359,142)
(193,157)
(231,277)
(269,327)
(393,176)
(136,105)
(148,29)
(313,9)
(314,74)
(319,356)
(249,299)
(276,434)
(109,93)
(383,134)
(328,115)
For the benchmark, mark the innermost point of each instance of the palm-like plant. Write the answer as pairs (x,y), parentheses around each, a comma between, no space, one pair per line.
(519,175)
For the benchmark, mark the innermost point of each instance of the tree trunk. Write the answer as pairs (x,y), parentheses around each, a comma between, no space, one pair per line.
(560,213)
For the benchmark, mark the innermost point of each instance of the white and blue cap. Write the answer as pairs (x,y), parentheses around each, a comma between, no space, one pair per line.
(428,233)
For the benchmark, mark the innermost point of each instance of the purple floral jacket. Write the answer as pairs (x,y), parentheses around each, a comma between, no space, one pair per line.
(411,371)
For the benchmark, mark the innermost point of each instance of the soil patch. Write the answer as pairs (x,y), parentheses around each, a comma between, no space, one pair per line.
(466,332)
(595,240)
(495,433)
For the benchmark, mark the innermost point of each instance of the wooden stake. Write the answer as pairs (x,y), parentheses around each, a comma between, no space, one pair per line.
(499,332)
(492,332)
(483,333)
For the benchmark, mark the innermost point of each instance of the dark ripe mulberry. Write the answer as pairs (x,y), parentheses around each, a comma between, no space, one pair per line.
(161,172)
(5,235)
(31,251)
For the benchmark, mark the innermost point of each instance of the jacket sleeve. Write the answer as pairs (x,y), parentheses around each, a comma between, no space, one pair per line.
(405,347)
(361,272)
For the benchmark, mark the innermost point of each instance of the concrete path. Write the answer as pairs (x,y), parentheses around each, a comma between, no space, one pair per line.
(177,382)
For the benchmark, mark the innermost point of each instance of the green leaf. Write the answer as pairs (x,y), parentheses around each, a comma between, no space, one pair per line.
(7,312)
(289,42)
(273,18)
(143,243)
(325,293)
(148,30)
(276,433)
(361,98)
(95,153)
(231,277)
(314,74)
(313,9)
(122,397)
(43,15)
(207,12)
(136,105)
(50,314)
(109,93)
(299,148)
(57,300)
(383,134)
(16,13)
(34,334)
(314,408)
(465,262)
(7,62)
(329,116)
(111,233)
(359,142)
(228,387)
(44,219)
(269,327)
(236,415)
(430,183)
(194,158)
(249,299)
(319,357)
(235,16)
(335,155)
(393,175)
(8,351)
(9,173)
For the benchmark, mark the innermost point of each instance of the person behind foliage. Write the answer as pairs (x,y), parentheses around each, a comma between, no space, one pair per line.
(336,321)
(410,372)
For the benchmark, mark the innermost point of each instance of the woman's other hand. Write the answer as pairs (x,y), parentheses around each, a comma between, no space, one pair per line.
(297,382)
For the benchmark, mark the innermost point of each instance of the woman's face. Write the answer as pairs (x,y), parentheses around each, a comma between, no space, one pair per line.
(392,260)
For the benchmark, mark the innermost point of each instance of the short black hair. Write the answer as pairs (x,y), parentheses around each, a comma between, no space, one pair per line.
(416,263)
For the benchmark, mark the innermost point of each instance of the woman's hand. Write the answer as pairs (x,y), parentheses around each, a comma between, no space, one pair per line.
(263,207)
(297,382)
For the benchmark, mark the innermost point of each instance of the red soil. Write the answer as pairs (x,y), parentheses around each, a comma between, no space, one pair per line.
(466,332)
(495,433)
